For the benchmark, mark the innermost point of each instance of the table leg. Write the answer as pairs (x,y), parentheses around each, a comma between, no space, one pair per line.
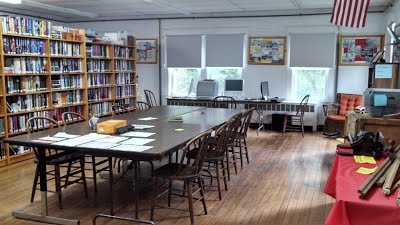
(136,183)
(111,181)
(259,118)
(44,214)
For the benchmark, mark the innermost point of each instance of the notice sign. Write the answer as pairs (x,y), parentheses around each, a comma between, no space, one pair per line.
(383,71)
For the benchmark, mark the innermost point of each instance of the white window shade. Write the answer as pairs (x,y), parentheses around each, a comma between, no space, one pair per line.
(224,50)
(313,50)
(184,51)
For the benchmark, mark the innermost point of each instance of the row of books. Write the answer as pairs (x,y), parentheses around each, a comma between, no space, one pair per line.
(17,123)
(124,91)
(66,81)
(98,80)
(25,26)
(99,94)
(123,52)
(123,65)
(67,98)
(97,65)
(23,103)
(25,65)
(28,46)
(124,78)
(127,102)
(97,51)
(66,65)
(62,48)
(16,84)
(2,130)
(99,109)
(59,111)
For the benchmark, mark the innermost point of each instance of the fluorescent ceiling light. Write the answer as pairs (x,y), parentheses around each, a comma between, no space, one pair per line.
(168,5)
(12,1)
(57,8)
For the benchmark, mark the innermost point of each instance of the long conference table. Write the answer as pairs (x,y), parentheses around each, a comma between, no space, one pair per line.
(169,137)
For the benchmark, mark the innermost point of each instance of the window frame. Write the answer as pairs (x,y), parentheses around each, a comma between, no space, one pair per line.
(316,97)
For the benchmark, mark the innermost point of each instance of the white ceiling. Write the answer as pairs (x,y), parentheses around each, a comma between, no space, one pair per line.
(147,9)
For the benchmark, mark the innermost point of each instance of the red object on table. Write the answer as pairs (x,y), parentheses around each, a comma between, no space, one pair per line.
(342,184)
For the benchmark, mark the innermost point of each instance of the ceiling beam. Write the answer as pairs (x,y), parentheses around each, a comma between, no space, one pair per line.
(169,6)
(390,4)
(58,9)
(298,5)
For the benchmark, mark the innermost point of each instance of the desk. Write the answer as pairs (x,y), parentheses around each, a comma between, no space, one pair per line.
(310,116)
(349,209)
(195,121)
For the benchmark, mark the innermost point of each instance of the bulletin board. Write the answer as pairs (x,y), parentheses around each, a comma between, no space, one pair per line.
(147,51)
(359,50)
(267,50)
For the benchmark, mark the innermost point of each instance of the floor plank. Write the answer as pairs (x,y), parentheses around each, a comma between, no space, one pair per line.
(282,185)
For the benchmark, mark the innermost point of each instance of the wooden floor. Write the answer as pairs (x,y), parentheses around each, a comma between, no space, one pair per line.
(283,184)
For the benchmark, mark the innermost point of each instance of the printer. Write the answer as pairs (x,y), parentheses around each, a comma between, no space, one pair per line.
(379,102)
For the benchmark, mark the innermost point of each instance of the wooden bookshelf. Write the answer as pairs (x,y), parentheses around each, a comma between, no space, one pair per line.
(58,82)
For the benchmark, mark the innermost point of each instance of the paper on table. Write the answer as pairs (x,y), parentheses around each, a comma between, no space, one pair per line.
(133,148)
(137,141)
(65,135)
(81,140)
(52,138)
(363,170)
(147,118)
(137,134)
(141,127)
(95,144)
(364,159)
(112,139)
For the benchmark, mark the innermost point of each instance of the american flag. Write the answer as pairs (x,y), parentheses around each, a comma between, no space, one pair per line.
(350,13)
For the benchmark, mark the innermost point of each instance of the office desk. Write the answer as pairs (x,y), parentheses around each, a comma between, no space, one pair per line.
(343,183)
(260,105)
(167,140)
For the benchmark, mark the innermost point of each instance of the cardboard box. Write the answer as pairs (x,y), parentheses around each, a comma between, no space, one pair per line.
(110,126)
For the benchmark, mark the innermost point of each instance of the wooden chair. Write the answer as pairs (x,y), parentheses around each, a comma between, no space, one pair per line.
(187,173)
(69,118)
(142,105)
(241,135)
(150,98)
(118,109)
(58,160)
(297,118)
(230,145)
(224,102)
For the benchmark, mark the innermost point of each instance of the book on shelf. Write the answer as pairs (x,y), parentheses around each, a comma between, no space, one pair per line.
(101,51)
(64,48)
(123,52)
(66,81)
(67,98)
(99,109)
(124,91)
(25,84)
(17,123)
(97,65)
(98,94)
(27,46)
(25,65)
(123,65)
(66,65)
(59,111)
(2,131)
(124,78)
(98,80)
(23,103)
(25,26)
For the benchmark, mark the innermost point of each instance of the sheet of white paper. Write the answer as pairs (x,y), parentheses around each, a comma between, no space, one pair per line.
(133,148)
(141,127)
(65,135)
(95,144)
(112,139)
(137,134)
(81,140)
(52,138)
(137,141)
(147,118)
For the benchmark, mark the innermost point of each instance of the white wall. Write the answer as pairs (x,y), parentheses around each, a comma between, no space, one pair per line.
(351,79)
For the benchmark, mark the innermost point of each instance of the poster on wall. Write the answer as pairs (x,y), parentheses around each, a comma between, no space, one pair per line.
(147,51)
(267,50)
(359,50)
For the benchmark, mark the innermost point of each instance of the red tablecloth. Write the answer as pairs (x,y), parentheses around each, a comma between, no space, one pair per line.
(374,209)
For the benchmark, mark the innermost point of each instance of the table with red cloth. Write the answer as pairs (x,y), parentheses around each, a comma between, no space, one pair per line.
(374,209)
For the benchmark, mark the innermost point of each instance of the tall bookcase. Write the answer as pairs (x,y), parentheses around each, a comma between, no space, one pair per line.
(44,76)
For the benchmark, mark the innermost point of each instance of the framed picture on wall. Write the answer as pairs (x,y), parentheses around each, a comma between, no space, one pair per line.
(359,50)
(147,51)
(267,50)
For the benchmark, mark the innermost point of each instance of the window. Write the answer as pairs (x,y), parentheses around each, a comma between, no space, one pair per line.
(220,74)
(310,81)
(183,81)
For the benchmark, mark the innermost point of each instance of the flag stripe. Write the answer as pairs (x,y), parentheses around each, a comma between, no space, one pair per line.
(338,11)
(354,13)
(343,12)
(333,10)
(350,13)
(349,9)
(365,13)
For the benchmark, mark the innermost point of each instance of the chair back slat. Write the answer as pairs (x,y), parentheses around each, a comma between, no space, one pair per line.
(150,98)
(72,117)
(224,102)
(142,105)
(303,105)
(39,123)
(246,118)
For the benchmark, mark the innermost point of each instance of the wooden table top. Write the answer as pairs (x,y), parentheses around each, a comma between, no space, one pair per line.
(167,140)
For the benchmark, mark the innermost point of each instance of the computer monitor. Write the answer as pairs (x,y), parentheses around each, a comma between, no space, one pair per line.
(234,87)
(264,90)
